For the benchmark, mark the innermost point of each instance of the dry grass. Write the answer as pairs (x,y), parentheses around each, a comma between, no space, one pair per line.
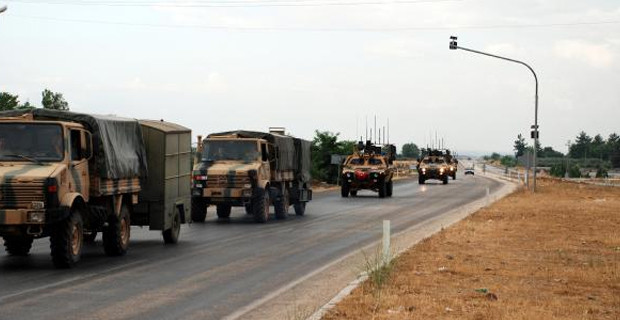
(550,255)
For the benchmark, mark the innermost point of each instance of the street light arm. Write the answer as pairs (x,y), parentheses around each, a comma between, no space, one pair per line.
(503,58)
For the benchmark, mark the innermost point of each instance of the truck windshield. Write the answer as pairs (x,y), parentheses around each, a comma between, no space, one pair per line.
(238,150)
(31,142)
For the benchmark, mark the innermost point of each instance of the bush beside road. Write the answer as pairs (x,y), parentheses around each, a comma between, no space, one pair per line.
(550,255)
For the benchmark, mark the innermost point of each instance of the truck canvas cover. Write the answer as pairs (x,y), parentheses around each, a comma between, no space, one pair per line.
(293,153)
(118,148)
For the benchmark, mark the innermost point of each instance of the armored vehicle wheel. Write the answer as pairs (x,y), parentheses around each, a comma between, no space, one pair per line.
(223,211)
(281,206)
(421,180)
(389,188)
(382,189)
(454,176)
(172,235)
(344,190)
(199,210)
(445,179)
(18,246)
(116,234)
(353,193)
(260,205)
(66,240)
(300,208)
(248,208)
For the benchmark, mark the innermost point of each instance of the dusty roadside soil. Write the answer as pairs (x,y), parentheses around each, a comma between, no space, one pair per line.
(550,255)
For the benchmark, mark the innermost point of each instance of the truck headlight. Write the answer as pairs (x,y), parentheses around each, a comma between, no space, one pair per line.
(441,170)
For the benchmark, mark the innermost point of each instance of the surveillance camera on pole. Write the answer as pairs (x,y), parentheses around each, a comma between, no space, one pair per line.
(453,44)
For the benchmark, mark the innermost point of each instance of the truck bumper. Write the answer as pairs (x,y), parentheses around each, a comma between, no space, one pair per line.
(234,196)
(32,216)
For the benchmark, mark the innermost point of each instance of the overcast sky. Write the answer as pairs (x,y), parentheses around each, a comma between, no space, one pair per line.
(307,65)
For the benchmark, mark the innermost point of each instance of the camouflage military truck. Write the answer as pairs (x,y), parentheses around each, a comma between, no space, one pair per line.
(253,170)
(433,166)
(369,167)
(68,176)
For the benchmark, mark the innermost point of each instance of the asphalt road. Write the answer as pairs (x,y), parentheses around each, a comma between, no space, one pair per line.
(217,268)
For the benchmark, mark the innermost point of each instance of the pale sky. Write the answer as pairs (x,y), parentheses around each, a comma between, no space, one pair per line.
(215,65)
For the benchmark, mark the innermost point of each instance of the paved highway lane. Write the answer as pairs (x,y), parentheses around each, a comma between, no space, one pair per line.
(217,268)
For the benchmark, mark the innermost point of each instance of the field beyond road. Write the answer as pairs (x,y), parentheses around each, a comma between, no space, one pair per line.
(550,255)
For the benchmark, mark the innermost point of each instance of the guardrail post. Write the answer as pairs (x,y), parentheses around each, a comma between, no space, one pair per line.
(386,241)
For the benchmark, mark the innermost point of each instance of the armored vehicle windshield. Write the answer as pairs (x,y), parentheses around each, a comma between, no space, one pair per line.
(31,142)
(231,150)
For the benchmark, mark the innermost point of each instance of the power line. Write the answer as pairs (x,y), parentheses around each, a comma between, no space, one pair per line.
(229,4)
(386,29)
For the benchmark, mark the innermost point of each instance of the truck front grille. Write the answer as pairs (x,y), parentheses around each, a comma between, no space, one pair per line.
(16,195)
(227,181)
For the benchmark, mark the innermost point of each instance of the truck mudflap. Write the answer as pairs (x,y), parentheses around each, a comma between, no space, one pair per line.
(302,195)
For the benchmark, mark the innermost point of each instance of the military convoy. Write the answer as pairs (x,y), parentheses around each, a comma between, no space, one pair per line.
(253,170)
(370,167)
(68,176)
(437,164)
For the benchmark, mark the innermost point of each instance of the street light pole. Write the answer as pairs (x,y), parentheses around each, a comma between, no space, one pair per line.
(454,46)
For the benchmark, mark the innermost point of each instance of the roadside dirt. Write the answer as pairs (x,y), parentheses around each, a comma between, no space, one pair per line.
(550,255)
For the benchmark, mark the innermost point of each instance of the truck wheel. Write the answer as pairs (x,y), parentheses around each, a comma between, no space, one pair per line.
(382,189)
(18,246)
(248,208)
(344,190)
(281,206)
(389,188)
(445,179)
(421,180)
(172,235)
(116,234)
(66,240)
(199,210)
(454,176)
(260,205)
(353,193)
(300,208)
(223,211)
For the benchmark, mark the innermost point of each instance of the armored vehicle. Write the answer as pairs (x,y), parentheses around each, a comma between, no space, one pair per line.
(369,167)
(434,166)
(252,170)
(69,176)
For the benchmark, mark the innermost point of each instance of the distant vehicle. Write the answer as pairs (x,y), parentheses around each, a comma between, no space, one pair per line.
(369,167)
(469,171)
(433,167)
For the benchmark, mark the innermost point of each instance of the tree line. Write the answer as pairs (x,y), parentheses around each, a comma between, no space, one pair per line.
(49,100)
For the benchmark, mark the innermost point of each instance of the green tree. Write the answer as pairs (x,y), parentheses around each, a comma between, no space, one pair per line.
(519,146)
(26,106)
(8,101)
(53,100)
(508,161)
(613,149)
(581,147)
(548,152)
(324,145)
(410,150)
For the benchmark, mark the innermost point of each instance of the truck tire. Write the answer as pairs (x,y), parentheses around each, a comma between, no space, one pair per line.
(389,188)
(171,235)
(353,193)
(281,206)
(18,246)
(67,239)
(223,211)
(300,208)
(445,179)
(116,235)
(382,189)
(344,190)
(260,205)
(454,176)
(421,180)
(199,210)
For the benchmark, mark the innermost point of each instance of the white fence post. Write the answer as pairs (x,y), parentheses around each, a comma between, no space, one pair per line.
(386,241)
